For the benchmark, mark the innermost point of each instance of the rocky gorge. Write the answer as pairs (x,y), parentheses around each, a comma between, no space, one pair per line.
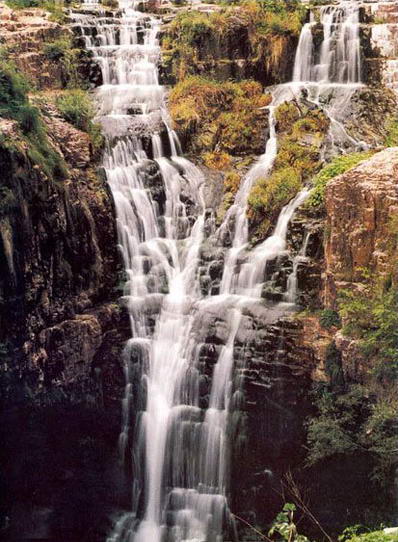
(312,390)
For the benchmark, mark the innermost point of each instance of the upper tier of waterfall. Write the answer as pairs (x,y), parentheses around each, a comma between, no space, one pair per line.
(338,60)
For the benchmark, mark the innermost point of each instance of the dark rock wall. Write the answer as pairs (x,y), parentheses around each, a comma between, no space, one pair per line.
(62,330)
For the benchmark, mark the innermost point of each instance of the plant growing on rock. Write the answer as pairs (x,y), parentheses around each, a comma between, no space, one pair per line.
(356,534)
(77,108)
(302,131)
(337,166)
(371,316)
(15,105)
(62,52)
(350,420)
(219,118)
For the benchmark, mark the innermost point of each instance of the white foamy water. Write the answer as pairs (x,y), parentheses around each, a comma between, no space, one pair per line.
(178,450)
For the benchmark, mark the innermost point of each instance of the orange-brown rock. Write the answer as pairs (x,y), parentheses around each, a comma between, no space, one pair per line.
(360,206)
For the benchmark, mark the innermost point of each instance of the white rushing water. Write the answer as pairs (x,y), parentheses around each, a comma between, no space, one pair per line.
(339,58)
(178,449)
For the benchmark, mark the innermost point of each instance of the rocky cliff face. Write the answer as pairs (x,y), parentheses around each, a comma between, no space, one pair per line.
(62,327)
(208,42)
(59,265)
(361,205)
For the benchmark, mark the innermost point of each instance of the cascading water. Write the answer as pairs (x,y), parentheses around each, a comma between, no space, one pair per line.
(177,446)
(179,450)
(339,58)
(332,73)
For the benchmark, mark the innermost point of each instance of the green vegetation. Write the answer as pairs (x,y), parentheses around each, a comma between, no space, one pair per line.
(62,53)
(356,534)
(220,122)
(371,316)
(219,118)
(392,133)
(329,318)
(55,7)
(350,419)
(284,527)
(77,108)
(337,166)
(16,105)
(194,40)
(301,133)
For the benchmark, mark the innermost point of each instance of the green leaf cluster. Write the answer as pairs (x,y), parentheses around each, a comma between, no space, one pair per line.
(284,527)
(351,419)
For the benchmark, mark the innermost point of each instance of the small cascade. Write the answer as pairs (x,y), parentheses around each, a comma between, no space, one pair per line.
(331,74)
(292,281)
(339,58)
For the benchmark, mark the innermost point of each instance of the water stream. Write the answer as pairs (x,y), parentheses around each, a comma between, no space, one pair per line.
(177,447)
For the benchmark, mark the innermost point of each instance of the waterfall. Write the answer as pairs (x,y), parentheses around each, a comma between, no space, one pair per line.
(331,74)
(176,444)
(339,58)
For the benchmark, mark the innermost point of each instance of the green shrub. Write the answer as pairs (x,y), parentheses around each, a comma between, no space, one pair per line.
(14,104)
(329,318)
(269,195)
(219,117)
(13,89)
(76,107)
(55,7)
(23,4)
(371,316)
(392,135)
(353,534)
(301,132)
(353,420)
(62,52)
(57,49)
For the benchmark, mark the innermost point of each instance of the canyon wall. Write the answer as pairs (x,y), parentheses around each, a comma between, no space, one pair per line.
(62,326)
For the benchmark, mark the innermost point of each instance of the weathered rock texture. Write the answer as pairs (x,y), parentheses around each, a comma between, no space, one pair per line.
(25,34)
(360,206)
(59,264)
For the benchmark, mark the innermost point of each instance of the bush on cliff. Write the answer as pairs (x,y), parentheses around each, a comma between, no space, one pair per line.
(350,419)
(354,534)
(15,104)
(216,117)
(54,7)
(371,316)
(62,52)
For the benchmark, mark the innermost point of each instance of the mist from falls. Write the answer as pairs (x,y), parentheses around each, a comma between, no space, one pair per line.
(177,446)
